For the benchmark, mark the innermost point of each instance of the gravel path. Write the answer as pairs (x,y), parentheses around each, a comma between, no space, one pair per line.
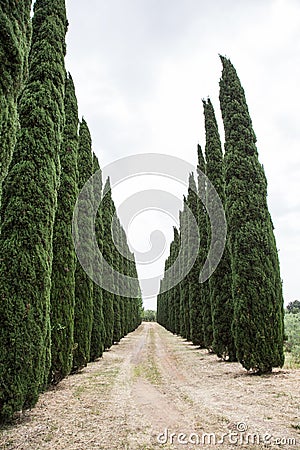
(155,390)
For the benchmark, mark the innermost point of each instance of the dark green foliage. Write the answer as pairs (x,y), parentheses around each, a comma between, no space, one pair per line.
(174,299)
(117,334)
(116,263)
(83,321)
(185,330)
(64,257)
(15,31)
(176,289)
(220,281)
(256,283)
(124,301)
(204,230)
(108,297)
(294,307)
(28,210)
(98,330)
(195,303)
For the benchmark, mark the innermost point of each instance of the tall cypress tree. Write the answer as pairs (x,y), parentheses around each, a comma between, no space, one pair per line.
(204,292)
(172,290)
(184,285)
(108,297)
(83,321)
(64,257)
(116,265)
(28,210)
(195,305)
(183,241)
(14,46)
(256,283)
(98,330)
(220,281)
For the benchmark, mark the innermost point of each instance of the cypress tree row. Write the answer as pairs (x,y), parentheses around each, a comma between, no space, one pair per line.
(220,281)
(204,246)
(14,46)
(108,297)
(256,283)
(28,211)
(83,321)
(64,257)
(98,328)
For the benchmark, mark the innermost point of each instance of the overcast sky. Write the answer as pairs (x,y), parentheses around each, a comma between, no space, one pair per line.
(141,68)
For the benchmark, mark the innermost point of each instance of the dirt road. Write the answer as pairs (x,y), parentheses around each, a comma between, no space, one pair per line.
(154,390)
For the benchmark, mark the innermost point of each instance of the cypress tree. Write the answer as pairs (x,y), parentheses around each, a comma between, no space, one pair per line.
(172,291)
(64,257)
(98,329)
(83,320)
(28,210)
(15,31)
(108,297)
(184,285)
(195,306)
(204,292)
(182,328)
(115,264)
(256,283)
(123,269)
(220,281)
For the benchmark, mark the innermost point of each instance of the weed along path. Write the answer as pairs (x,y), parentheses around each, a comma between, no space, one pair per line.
(154,390)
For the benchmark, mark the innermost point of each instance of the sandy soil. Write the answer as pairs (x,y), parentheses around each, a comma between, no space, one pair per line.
(154,381)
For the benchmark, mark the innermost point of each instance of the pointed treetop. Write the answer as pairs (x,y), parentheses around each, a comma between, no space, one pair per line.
(192,183)
(213,147)
(176,233)
(107,186)
(201,160)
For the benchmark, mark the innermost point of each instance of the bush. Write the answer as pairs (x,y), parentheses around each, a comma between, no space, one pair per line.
(149,316)
(292,331)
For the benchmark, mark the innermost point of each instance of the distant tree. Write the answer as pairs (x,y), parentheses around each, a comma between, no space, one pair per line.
(256,283)
(83,321)
(14,46)
(28,211)
(220,281)
(64,257)
(294,307)
(149,315)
